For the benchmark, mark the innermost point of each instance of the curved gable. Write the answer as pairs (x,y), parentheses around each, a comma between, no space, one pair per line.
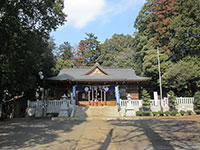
(96,70)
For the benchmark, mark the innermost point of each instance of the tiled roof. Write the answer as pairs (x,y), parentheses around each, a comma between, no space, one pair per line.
(77,74)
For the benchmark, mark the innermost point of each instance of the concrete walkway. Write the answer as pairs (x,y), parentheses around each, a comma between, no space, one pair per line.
(98,134)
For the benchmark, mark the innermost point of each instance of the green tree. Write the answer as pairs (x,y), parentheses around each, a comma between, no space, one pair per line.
(48,58)
(60,64)
(25,28)
(173,25)
(143,38)
(150,67)
(197,100)
(172,101)
(186,28)
(64,57)
(183,76)
(146,100)
(65,51)
(92,49)
(117,51)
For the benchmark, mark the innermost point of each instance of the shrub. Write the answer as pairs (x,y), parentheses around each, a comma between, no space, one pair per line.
(172,100)
(146,113)
(197,100)
(167,113)
(197,112)
(174,112)
(146,100)
(139,113)
(154,113)
(189,112)
(54,114)
(161,113)
(182,112)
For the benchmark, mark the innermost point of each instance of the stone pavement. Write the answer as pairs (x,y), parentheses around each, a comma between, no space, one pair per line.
(100,134)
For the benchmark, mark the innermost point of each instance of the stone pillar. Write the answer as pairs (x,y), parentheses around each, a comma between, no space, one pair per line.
(155,95)
(64,109)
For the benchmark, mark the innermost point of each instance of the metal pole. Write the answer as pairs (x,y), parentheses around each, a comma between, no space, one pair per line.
(160,78)
(43,97)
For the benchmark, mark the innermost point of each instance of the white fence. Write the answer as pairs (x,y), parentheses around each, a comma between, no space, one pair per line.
(51,106)
(185,100)
(183,103)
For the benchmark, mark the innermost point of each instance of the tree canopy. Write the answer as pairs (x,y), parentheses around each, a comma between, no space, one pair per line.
(173,27)
(24,48)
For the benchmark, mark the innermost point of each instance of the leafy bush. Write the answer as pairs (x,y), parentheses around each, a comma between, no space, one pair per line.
(197,112)
(174,112)
(146,100)
(146,113)
(161,113)
(54,114)
(182,112)
(172,100)
(139,113)
(189,112)
(197,100)
(154,113)
(167,113)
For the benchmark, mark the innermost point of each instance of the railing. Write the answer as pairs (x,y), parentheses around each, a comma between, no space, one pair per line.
(49,103)
(123,103)
(184,100)
(164,102)
(52,106)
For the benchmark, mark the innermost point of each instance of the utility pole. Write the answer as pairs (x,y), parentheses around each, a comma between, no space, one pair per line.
(160,78)
(43,92)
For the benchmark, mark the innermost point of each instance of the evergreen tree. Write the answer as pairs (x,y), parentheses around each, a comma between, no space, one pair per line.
(92,49)
(65,51)
(186,28)
(172,101)
(25,28)
(146,100)
(162,13)
(173,26)
(197,100)
(117,51)
(78,58)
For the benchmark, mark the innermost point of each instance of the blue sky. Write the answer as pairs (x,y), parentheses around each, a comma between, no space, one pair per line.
(101,17)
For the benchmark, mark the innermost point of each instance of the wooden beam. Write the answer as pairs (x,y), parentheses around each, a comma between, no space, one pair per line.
(88,98)
(101,95)
(92,95)
(104,98)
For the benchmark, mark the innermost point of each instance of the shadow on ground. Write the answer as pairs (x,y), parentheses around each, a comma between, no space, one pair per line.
(26,132)
(158,134)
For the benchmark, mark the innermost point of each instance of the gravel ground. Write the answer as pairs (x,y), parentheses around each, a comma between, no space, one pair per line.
(165,133)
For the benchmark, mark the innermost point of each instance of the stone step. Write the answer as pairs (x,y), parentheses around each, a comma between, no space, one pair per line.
(96,111)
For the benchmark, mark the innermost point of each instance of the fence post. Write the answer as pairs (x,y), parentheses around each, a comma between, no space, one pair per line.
(140,103)
(155,95)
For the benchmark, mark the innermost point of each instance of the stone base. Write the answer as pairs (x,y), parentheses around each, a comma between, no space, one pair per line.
(130,112)
(63,113)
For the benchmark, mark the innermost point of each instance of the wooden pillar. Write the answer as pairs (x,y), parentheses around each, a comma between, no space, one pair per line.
(104,98)
(88,98)
(92,95)
(101,95)
(96,93)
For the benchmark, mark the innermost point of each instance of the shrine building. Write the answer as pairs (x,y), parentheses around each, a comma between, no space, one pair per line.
(97,86)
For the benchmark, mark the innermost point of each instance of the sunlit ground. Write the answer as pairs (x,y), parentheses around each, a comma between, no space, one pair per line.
(140,133)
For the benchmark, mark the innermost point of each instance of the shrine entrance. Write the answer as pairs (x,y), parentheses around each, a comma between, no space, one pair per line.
(96,95)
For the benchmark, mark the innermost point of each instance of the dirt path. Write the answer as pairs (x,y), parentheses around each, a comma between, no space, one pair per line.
(98,134)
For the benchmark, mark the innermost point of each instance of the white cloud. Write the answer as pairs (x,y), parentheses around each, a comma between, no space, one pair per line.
(81,12)
(120,6)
